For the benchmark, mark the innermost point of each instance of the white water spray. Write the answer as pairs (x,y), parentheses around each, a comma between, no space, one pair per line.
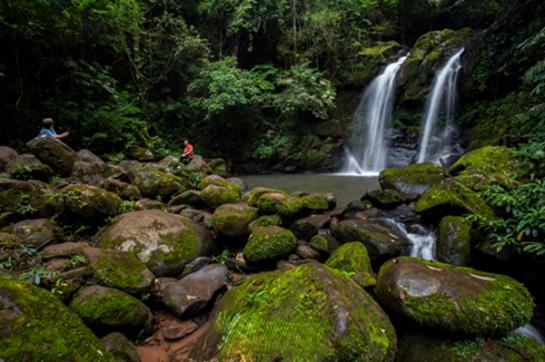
(436,142)
(422,245)
(372,117)
(530,331)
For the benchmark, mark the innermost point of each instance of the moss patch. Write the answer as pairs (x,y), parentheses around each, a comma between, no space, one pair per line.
(353,259)
(268,244)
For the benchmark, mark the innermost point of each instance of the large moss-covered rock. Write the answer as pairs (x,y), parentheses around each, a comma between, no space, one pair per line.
(233,219)
(381,240)
(164,242)
(353,259)
(25,198)
(94,172)
(218,166)
(36,326)
(252,196)
(275,203)
(118,269)
(418,347)
(454,241)
(106,310)
(457,300)
(54,153)
(491,165)
(387,198)
(319,201)
(303,314)
(265,220)
(87,202)
(215,196)
(309,226)
(268,244)
(28,167)
(156,183)
(450,197)
(411,181)
(219,181)
(122,189)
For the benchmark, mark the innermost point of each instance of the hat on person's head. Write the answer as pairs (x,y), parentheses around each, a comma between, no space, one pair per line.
(48,122)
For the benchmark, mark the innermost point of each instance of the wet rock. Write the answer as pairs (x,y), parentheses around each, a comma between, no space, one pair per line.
(197,264)
(306,252)
(277,306)
(189,197)
(387,198)
(200,216)
(88,156)
(106,310)
(28,167)
(319,202)
(233,219)
(275,203)
(121,348)
(7,155)
(122,189)
(194,292)
(450,197)
(164,242)
(54,153)
(309,226)
(87,202)
(215,196)
(353,259)
(454,241)
(240,182)
(32,318)
(252,197)
(418,347)
(118,269)
(179,332)
(381,240)
(219,181)
(411,181)
(155,183)
(268,244)
(36,232)
(456,300)
(25,198)
(324,243)
(266,220)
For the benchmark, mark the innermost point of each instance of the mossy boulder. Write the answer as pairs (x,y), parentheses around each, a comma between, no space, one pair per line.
(457,300)
(156,183)
(491,165)
(107,310)
(122,349)
(325,244)
(382,240)
(309,226)
(286,206)
(418,347)
(233,219)
(303,314)
(36,326)
(139,153)
(265,220)
(451,197)
(54,153)
(86,155)
(268,244)
(454,241)
(36,232)
(353,259)
(369,61)
(218,166)
(87,202)
(387,198)
(189,197)
(25,198)
(252,197)
(122,189)
(411,181)
(28,167)
(219,181)
(164,242)
(215,196)
(94,172)
(7,155)
(118,269)
(319,201)
(198,165)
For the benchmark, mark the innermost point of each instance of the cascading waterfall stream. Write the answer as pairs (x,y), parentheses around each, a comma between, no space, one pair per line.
(422,245)
(372,117)
(436,142)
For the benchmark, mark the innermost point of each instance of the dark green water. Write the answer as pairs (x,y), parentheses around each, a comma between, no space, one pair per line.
(346,188)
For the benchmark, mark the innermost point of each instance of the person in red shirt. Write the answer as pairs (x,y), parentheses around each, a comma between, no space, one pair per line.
(188,150)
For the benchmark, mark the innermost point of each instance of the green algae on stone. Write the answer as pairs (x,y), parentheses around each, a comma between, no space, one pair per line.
(303,314)
(265,220)
(156,183)
(268,244)
(491,165)
(25,198)
(219,181)
(450,197)
(387,198)
(411,181)
(36,326)
(454,241)
(252,196)
(87,202)
(456,300)
(418,347)
(106,310)
(215,196)
(286,206)
(317,201)
(233,219)
(353,259)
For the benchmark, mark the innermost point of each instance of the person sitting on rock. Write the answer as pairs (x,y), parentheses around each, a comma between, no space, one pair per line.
(48,129)
(188,151)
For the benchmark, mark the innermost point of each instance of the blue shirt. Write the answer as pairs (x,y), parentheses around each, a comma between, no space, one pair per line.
(46,132)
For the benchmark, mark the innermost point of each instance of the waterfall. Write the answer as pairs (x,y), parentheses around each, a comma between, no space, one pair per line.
(372,117)
(530,331)
(422,244)
(436,142)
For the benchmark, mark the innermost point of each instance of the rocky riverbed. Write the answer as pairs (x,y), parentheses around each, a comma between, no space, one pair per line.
(160,261)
